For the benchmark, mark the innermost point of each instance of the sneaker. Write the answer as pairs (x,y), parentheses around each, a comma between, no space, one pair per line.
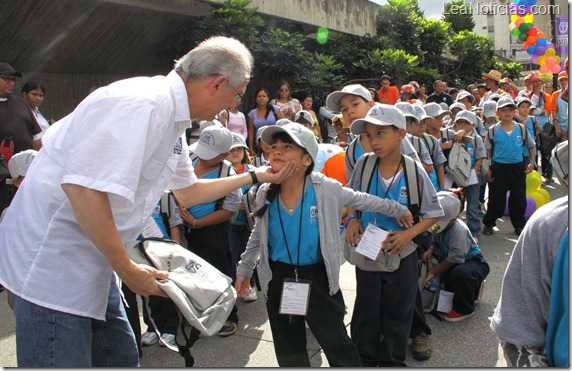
(228,329)
(547,180)
(169,339)
(518,231)
(421,347)
(487,230)
(453,316)
(251,295)
(149,338)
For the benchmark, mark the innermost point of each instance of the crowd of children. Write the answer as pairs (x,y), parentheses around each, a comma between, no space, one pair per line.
(398,172)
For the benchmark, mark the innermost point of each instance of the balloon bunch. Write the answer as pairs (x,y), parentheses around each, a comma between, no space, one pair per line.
(535,195)
(535,42)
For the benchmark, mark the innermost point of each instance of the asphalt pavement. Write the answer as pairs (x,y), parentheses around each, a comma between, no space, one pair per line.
(469,343)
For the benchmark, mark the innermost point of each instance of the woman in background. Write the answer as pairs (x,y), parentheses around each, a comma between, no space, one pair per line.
(33,93)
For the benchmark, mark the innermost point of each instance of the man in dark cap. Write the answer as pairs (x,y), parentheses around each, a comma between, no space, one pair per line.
(19,129)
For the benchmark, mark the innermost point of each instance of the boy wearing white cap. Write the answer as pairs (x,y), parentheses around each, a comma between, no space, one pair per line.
(18,167)
(462,266)
(353,102)
(386,294)
(296,240)
(207,224)
(507,170)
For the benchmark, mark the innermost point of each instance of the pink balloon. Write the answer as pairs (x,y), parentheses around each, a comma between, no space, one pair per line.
(550,61)
(556,68)
(545,69)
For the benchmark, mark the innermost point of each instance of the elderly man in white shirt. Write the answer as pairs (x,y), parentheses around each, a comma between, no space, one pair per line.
(92,187)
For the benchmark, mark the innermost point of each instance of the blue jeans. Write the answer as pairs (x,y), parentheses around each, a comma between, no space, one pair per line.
(49,338)
(472,209)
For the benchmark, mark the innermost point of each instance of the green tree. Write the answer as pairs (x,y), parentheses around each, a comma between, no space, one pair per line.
(511,69)
(233,18)
(459,15)
(398,64)
(435,35)
(474,55)
(400,21)
(320,78)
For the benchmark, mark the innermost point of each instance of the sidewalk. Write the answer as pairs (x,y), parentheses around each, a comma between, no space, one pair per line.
(470,343)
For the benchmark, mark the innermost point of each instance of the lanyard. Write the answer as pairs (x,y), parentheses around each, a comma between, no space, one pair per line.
(299,229)
(388,188)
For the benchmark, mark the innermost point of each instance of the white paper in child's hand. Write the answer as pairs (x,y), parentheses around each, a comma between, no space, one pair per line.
(371,241)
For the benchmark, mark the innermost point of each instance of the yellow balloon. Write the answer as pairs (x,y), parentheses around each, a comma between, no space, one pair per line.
(529,18)
(538,198)
(550,53)
(536,174)
(541,60)
(533,183)
(514,17)
(544,194)
(557,59)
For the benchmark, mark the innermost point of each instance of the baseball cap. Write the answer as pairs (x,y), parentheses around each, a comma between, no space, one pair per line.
(523,99)
(451,207)
(505,102)
(457,105)
(559,162)
(238,141)
(534,77)
(467,116)
(280,122)
(300,134)
(382,115)
(489,109)
(408,110)
(562,75)
(20,162)
(305,115)
(7,70)
(333,99)
(464,94)
(420,112)
(214,140)
(434,110)
(261,129)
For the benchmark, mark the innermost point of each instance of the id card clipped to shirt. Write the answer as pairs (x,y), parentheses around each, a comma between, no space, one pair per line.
(295,297)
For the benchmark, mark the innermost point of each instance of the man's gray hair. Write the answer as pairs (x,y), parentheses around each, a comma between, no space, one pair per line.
(218,55)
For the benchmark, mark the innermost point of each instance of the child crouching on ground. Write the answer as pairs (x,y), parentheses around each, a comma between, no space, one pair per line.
(463,268)
(307,205)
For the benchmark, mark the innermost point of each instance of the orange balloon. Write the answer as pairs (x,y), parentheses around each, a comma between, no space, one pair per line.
(541,34)
(519,21)
(531,39)
(525,45)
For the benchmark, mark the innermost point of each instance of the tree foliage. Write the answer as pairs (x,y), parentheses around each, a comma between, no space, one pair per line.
(475,55)
(459,15)
(400,21)
(511,69)
(434,35)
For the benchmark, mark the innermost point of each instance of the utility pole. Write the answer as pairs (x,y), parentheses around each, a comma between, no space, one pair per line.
(553,32)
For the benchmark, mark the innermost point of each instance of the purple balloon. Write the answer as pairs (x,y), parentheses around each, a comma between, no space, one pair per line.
(513,8)
(533,59)
(550,46)
(540,50)
(530,207)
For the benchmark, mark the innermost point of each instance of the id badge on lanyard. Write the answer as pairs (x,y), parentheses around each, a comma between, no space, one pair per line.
(295,297)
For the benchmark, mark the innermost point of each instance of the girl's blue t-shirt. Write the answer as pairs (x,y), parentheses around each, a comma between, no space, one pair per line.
(283,236)
(260,122)
(204,209)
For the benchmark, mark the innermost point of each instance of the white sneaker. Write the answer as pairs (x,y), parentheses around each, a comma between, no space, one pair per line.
(251,295)
(149,338)
(169,339)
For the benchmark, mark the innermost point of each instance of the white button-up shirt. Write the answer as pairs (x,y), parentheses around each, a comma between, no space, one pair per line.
(125,139)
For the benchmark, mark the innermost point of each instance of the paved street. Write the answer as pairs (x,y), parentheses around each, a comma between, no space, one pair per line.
(470,343)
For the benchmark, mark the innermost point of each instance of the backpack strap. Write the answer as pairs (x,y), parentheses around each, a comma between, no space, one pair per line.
(412,184)
(223,171)
(429,142)
(491,134)
(165,205)
(193,156)
(371,163)
(416,143)
(351,153)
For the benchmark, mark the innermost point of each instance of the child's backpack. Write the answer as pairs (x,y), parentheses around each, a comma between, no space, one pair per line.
(459,164)
(417,143)
(204,297)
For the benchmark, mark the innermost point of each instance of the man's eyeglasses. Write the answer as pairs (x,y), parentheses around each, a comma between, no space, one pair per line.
(9,78)
(238,94)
